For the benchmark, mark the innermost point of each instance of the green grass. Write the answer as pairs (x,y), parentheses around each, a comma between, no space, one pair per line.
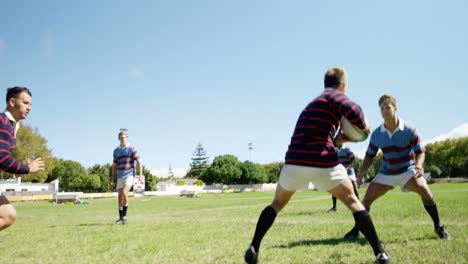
(217,228)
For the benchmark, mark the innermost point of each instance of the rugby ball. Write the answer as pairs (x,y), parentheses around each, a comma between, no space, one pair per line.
(351,131)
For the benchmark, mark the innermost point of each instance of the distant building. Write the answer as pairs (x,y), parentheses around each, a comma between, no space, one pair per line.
(14,187)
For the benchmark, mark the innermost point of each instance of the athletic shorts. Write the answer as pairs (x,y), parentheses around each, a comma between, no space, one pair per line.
(396,179)
(297,177)
(3,200)
(121,182)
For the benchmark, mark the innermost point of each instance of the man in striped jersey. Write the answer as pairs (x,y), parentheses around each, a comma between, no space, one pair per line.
(123,167)
(18,100)
(346,158)
(312,157)
(402,164)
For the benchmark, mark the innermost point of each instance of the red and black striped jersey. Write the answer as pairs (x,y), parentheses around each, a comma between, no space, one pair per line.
(312,143)
(7,144)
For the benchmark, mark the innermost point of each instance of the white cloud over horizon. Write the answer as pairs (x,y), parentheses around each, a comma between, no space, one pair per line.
(458,132)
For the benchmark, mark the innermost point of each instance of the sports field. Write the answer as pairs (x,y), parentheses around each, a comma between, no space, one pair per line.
(217,228)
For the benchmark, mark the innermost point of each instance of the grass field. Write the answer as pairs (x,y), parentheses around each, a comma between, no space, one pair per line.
(217,228)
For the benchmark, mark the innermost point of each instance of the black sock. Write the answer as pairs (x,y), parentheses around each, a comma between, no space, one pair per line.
(120,212)
(355,228)
(124,212)
(366,226)
(334,201)
(431,208)
(266,219)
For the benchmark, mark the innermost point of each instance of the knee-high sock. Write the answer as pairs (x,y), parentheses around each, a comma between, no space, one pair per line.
(120,212)
(355,228)
(266,219)
(431,208)
(124,213)
(366,226)
(334,201)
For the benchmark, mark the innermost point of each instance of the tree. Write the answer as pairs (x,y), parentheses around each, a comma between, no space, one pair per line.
(85,183)
(225,169)
(199,162)
(252,173)
(273,171)
(69,174)
(150,180)
(31,145)
(449,155)
(103,171)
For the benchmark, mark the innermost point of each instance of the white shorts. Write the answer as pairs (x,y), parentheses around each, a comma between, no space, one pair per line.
(121,182)
(396,179)
(297,177)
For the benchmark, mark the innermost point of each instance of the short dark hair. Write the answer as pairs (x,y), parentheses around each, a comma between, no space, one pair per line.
(388,99)
(14,92)
(335,77)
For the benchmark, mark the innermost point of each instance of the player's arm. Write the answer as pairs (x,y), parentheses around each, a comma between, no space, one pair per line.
(113,172)
(420,163)
(140,167)
(9,164)
(366,163)
(419,152)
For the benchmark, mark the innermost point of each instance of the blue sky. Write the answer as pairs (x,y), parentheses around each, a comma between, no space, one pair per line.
(225,73)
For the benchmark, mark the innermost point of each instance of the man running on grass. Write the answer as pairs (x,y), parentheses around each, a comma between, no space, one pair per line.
(124,168)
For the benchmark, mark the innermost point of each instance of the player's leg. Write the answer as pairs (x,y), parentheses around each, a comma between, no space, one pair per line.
(355,187)
(268,215)
(125,191)
(419,186)
(120,196)
(364,223)
(7,213)
(266,220)
(333,209)
(373,192)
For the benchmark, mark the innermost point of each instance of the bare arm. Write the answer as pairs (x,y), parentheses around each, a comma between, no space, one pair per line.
(140,167)
(365,166)
(419,163)
(113,172)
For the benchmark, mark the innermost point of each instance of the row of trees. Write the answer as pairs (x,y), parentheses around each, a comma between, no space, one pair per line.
(447,158)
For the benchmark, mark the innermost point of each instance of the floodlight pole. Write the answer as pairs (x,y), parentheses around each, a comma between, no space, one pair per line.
(250,151)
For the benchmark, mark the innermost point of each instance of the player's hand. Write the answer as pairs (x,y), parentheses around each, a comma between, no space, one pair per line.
(35,165)
(341,138)
(419,171)
(359,181)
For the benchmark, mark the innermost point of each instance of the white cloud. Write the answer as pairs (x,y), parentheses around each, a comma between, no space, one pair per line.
(164,172)
(458,132)
(136,74)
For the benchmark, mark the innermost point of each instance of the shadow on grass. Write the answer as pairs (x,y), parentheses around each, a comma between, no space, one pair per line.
(97,224)
(329,241)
